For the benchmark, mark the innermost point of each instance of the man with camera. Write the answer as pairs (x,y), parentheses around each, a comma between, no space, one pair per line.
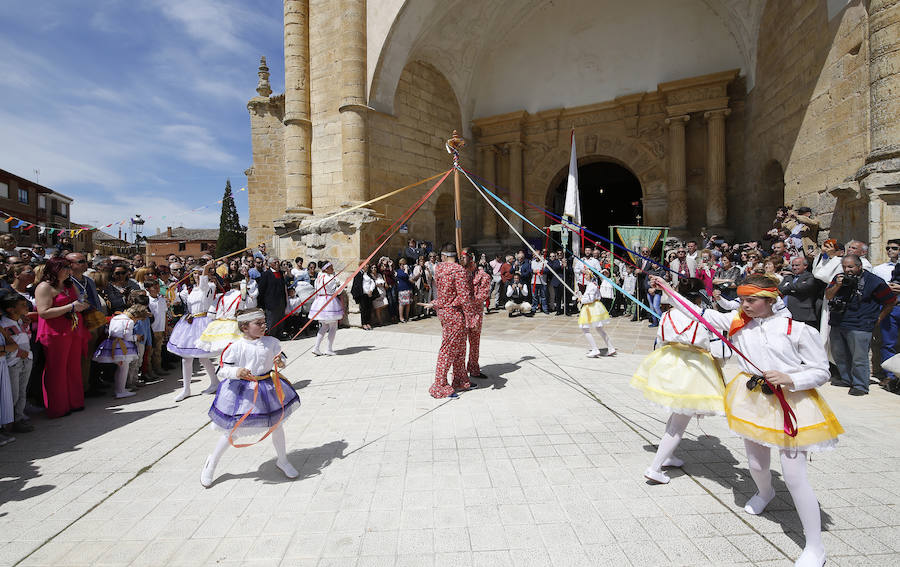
(858,300)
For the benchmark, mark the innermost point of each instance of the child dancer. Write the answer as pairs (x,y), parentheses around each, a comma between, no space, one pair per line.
(793,360)
(593,314)
(15,322)
(224,330)
(198,300)
(682,377)
(252,398)
(119,348)
(143,339)
(159,309)
(327,285)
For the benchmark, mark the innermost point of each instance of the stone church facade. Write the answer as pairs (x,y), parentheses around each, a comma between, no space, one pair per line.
(721,109)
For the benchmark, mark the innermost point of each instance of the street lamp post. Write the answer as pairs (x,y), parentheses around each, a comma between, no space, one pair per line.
(137,231)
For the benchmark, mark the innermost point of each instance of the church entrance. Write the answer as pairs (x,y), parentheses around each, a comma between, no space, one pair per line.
(610,195)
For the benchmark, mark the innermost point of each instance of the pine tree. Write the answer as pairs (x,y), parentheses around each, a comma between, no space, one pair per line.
(232,235)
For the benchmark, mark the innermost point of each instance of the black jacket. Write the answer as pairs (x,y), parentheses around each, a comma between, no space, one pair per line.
(800,295)
(272,291)
(356,288)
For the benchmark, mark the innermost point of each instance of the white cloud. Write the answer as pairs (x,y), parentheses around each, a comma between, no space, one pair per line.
(116,207)
(214,23)
(195,144)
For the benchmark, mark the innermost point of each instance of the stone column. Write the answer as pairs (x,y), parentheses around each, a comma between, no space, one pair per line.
(488,171)
(353,109)
(880,177)
(297,124)
(677,173)
(716,201)
(517,196)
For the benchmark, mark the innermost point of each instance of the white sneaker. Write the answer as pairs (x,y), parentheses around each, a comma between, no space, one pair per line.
(317,353)
(206,475)
(287,468)
(611,352)
(593,354)
(658,477)
(673,462)
(757,504)
(125,394)
(330,353)
(811,558)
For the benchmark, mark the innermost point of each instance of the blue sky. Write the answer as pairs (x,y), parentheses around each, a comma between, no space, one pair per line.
(135,106)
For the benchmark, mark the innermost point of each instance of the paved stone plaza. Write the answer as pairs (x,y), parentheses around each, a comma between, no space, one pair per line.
(541,467)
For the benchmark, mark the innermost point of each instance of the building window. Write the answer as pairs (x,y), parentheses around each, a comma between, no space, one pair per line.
(23,196)
(182,246)
(42,202)
(4,190)
(204,246)
(64,209)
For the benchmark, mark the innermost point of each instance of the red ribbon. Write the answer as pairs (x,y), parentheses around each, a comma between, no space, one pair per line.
(790,419)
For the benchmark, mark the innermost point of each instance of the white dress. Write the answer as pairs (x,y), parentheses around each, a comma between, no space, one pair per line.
(119,346)
(198,303)
(327,285)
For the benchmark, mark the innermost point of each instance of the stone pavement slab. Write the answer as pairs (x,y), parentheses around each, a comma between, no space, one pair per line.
(541,466)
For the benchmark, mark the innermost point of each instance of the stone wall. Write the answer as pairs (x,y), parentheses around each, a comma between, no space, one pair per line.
(808,112)
(265,179)
(409,146)
(324,89)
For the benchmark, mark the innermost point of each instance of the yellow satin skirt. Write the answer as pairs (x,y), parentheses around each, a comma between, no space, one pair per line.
(758,417)
(683,379)
(218,335)
(592,315)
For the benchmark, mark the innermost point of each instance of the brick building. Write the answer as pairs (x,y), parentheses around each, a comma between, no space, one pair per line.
(182,242)
(34,204)
(707,113)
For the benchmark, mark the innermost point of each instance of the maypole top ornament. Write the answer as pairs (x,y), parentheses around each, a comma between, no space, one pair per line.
(453,145)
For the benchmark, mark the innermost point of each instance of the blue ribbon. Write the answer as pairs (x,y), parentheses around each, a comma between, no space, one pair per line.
(588,266)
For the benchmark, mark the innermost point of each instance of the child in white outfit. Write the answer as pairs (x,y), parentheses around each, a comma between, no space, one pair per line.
(15,322)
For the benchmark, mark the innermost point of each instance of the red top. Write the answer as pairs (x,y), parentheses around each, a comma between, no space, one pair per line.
(452,282)
(63,324)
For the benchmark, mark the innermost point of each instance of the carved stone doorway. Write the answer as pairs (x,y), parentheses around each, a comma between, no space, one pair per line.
(610,195)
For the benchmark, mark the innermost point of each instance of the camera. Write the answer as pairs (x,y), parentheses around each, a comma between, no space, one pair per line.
(850,282)
(849,285)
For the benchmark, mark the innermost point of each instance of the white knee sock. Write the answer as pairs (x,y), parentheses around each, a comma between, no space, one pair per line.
(319,336)
(590,339)
(758,461)
(605,338)
(793,470)
(212,461)
(121,377)
(187,370)
(282,462)
(332,331)
(671,438)
(213,379)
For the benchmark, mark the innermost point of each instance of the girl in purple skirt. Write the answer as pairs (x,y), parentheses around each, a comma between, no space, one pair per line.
(252,398)
(120,348)
(199,298)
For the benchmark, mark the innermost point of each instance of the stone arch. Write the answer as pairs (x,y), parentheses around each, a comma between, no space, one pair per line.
(646,164)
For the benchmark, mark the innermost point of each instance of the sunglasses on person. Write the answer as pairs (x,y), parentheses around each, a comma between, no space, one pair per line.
(892,247)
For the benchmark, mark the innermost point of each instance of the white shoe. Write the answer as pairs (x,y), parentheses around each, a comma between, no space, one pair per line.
(317,353)
(206,475)
(125,394)
(287,468)
(811,558)
(673,462)
(611,352)
(212,389)
(330,353)
(757,504)
(658,477)
(183,395)
(593,354)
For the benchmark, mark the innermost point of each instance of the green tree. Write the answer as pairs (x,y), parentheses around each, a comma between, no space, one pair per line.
(232,236)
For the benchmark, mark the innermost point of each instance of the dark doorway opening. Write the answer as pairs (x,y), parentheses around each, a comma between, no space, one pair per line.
(610,195)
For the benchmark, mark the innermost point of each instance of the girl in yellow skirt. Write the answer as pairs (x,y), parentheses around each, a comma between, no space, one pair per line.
(224,330)
(681,376)
(793,359)
(592,315)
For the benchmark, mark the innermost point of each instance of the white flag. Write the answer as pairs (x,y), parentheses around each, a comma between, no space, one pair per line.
(572,208)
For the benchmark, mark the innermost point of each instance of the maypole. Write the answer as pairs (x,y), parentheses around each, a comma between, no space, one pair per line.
(454,144)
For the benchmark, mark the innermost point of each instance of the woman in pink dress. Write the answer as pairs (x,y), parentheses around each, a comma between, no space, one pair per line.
(62,332)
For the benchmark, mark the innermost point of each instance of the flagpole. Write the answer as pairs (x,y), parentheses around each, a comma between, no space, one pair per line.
(454,144)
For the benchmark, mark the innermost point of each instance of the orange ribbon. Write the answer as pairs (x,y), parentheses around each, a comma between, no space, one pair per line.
(279,391)
(747,290)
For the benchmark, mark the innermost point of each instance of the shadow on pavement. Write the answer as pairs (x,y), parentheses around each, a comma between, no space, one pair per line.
(495,372)
(356,349)
(309,462)
(707,458)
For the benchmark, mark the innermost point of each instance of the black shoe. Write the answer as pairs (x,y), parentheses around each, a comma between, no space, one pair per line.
(857,392)
(840,384)
(480,376)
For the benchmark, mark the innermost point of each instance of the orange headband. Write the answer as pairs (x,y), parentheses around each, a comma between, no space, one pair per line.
(749,290)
